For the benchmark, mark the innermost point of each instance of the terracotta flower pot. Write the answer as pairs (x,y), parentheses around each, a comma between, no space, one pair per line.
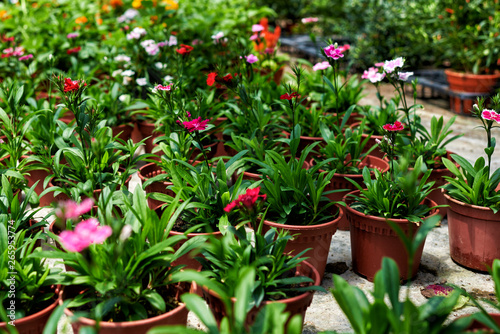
(294,305)
(371,142)
(373,239)
(473,233)
(177,316)
(437,175)
(317,237)
(35,323)
(339,181)
(151,170)
(148,130)
(124,131)
(469,83)
(257,177)
(476,326)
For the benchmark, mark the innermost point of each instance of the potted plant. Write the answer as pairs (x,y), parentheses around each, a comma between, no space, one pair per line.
(398,196)
(347,155)
(473,196)
(297,200)
(122,269)
(466,43)
(27,285)
(279,276)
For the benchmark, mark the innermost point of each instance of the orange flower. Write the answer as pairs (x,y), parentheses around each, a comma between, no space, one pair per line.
(449,10)
(81,19)
(154,18)
(98,21)
(106,8)
(3,13)
(116,3)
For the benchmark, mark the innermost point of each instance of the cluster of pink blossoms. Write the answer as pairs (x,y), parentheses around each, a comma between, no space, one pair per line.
(397,126)
(196,124)
(336,52)
(246,200)
(490,115)
(321,66)
(380,70)
(86,232)
(16,52)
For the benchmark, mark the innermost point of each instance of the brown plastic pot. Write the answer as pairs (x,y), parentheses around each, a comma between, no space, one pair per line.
(295,305)
(317,237)
(469,83)
(148,130)
(437,175)
(476,326)
(151,170)
(371,142)
(35,323)
(473,233)
(339,181)
(372,239)
(124,131)
(177,316)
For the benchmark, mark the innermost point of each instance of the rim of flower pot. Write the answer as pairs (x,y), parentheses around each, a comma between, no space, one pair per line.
(347,199)
(317,281)
(455,73)
(311,162)
(48,309)
(124,324)
(456,201)
(335,221)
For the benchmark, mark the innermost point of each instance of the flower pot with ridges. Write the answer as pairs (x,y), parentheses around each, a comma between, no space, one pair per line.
(372,239)
(317,237)
(473,233)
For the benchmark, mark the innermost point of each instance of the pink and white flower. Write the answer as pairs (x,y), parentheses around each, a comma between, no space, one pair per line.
(86,233)
(333,52)
(26,57)
(251,59)
(167,88)
(321,66)
(72,35)
(219,37)
(257,28)
(490,115)
(122,58)
(373,74)
(391,65)
(306,20)
(403,76)
(136,33)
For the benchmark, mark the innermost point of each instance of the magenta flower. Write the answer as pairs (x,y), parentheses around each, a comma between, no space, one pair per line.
(86,233)
(72,35)
(251,59)
(72,210)
(373,75)
(379,64)
(397,126)
(26,57)
(247,199)
(254,37)
(321,66)
(403,76)
(167,88)
(257,28)
(391,65)
(439,290)
(196,124)
(306,20)
(490,115)
(333,52)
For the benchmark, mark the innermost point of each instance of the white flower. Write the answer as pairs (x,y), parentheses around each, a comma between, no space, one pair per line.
(391,65)
(159,65)
(122,58)
(117,72)
(172,40)
(142,81)
(219,37)
(152,49)
(126,81)
(136,33)
(128,73)
(403,76)
(126,232)
(128,15)
(168,78)
(51,56)
(123,97)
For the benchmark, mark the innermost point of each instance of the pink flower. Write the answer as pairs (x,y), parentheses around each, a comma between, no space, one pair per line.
(397,126)
(18,51)
(269,51)
(288,97)
(403,76)
(26,57)
(196,124)
(373,75)
(379,64)
(167,88)
(345,47)
(247,199)
(72,35)
(439,290)
(306,20)
(197,42)
(72,210)
(254,37)
(251,59)
(321,66)
(257,28)
(333,52)
(391,65)
(86,233)
(490,115)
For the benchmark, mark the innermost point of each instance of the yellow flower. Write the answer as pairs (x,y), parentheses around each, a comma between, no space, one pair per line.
(3,13)
(137,4)
(81,19)
(170,4)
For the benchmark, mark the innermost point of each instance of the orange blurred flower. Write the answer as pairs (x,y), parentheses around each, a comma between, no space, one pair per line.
(270,38)
(81,20)
(116,3)
(98,21)
(449,10)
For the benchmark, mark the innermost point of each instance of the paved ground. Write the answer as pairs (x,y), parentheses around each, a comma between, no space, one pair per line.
(436,265)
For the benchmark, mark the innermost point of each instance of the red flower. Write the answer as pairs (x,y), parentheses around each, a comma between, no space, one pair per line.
(74,50)
(71,86)
(195,125)
(248,200)
(289,96)
(211,78)
(227,77)
(184,50)
(397,126)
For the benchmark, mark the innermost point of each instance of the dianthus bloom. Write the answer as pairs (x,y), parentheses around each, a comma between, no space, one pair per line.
(184,50)
(74,50)
(251,59)
(195,125)
(122,58)
(136,33)
(257,28)
(247,200)
(71,86)
(288,97)
(26,57)
(72,35)
(141,81)
(306,20)
(490,115)
(86,233)
(321,66)
(397,126)
(373,75)
(403,76)
(166,88)
(391,65)
(439,290)
(334,52)
(72,210)
(211,78)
